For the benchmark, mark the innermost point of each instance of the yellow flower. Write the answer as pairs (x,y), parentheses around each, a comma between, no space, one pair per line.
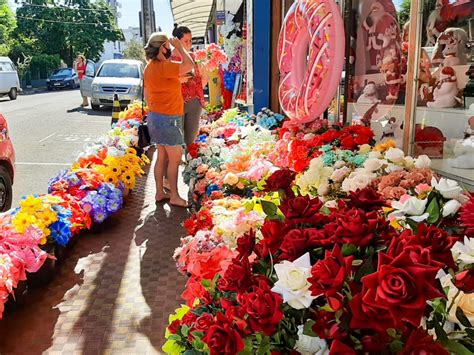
(128,180)
(22,221)
(382,147)
(111,178)
(145,159)
(131,151)
(46,217)
(52,199)
(31,204)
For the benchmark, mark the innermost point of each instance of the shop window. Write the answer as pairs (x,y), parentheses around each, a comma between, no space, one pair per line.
(444,117)
(375,68)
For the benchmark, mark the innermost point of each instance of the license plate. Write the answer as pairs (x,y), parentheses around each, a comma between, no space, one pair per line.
(57,84)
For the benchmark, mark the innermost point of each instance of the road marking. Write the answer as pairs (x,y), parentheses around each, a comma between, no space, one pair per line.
(45,138)
(42,164)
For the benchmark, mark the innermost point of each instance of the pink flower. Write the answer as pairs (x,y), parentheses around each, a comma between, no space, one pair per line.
(422,188)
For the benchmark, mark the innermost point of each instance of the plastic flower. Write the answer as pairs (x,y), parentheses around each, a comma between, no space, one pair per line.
(449,189)
(293,282)
(22,221)
(463,252)
(411,206)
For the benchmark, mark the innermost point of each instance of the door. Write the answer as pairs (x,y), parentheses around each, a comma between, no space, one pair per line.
(86,82)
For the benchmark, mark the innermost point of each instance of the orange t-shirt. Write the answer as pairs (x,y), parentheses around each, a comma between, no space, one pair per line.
(163,89)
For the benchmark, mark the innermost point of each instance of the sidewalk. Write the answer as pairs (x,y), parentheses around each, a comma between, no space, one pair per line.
(115,290)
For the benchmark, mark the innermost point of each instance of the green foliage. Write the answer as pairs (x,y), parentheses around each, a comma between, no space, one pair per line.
(65,31)
(7,25)
(134,50)
(404,13)
(43,64)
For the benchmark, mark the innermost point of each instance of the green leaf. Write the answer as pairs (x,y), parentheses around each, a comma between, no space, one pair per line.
(348,249)
(206,283)
(433,210)
(174,337)
(308,328)
(269,208)
(462,318)
(456,348)
(325,211)
(440,333)
(264,347)
(392,333)
(184,330)
(366,269)
(413,225)
(249,206)
(396,346)
(248,350)
(193,352)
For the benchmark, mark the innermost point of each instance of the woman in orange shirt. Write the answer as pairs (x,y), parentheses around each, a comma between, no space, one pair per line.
(165,102)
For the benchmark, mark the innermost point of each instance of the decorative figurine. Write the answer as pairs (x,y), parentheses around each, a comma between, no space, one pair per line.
(369,94)
(436,24)
(393,78)
(464,148)
(451,48)
(389,129)
(446,90)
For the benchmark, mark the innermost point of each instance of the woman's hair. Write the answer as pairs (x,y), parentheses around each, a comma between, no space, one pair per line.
(155,41)
(82,57)
(180,31)
(152,52)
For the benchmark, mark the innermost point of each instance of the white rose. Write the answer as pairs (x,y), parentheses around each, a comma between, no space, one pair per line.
(365,148)
(215,149)
(373,164)
(323,189)
(293,282)
(410,205)
(392,167)
(395,155)
(307,345)
(358,180)
(451,207)
(375,155)
(463,253)
(409,162)
(339,174)
(339,164)
(449,189)
(422,162)
(231,179)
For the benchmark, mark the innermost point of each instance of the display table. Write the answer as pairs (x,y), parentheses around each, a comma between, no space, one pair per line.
(465,176)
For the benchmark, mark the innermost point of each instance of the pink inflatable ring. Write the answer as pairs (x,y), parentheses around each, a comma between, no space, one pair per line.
(310,58)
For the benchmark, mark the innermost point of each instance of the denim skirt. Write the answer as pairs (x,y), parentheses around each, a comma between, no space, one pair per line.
(165,129)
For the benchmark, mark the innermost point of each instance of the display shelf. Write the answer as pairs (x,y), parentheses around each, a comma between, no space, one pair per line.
(465,176)
(451,121)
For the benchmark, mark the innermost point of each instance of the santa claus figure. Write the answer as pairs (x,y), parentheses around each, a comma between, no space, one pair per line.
(383,32)
(445,94)
(393,79)
(436,24)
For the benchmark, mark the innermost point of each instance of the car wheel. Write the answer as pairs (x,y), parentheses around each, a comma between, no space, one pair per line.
(13,93)
(95,107)
(5,190)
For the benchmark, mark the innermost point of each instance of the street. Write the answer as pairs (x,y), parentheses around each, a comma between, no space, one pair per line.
(48,130)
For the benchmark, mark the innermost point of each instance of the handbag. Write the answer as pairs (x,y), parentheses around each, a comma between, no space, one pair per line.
(144,140)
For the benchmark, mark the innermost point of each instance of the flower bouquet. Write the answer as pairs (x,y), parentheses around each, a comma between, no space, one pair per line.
(211,57)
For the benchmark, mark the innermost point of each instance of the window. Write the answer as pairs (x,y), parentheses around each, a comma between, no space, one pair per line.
(6,67)
(119,70)
(444,119)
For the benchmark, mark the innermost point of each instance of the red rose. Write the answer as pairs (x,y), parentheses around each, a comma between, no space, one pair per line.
(421,343)
(328,276)
(273,233)
(194,289)
(365,316)
(367,199)
(302,209)
(280,180)
(203,322)
(262,308)
(237,277)
(339,348)
(400,286)
(223,338)
(189,318)
(173,327)
(245,244)
(299,241)
(193,150)
(348,142)
(465,281)
(357,227)
(323,322)
(375,344)
(438,242)
(466,215)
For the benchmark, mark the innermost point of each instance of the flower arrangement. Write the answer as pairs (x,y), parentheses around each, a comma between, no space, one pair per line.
(341,247)
(90,191)
(211,57)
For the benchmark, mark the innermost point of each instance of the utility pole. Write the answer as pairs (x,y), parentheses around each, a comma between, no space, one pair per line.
(147,20)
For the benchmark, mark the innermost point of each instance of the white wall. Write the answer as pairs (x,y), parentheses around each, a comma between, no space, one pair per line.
(117,47)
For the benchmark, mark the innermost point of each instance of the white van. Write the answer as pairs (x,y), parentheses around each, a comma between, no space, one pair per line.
(9,82)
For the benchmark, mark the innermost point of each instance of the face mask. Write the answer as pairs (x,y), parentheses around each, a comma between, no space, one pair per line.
(167,54)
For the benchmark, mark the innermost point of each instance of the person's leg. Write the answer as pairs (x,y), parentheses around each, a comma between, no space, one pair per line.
(166,183)
(192,116)
(174,158)
(85,102)
(159,172)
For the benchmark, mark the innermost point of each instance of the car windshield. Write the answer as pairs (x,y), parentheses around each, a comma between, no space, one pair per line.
(119,70)
(65,72)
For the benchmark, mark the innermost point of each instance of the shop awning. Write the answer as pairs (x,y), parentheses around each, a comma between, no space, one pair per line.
(193,14)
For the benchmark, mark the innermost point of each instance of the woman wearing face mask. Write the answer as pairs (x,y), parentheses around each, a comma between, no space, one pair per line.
(165,102)
(192,85)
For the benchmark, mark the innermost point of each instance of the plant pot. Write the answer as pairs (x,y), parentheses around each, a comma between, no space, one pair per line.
(15,302)
(46,273)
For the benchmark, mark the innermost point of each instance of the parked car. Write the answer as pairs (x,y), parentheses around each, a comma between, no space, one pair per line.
(115,76)
(7,166)
(9,82)
(64,78)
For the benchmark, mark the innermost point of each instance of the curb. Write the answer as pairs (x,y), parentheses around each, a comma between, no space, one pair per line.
(32,91)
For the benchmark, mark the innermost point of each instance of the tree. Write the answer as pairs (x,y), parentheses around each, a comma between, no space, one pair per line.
(134,50)
(7,24)
(404,13)
(76,26)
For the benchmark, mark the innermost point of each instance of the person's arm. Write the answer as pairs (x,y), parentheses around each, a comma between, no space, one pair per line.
(188,63)
(204,75)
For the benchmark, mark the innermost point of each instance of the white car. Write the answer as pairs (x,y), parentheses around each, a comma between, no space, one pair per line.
(9,82)
(115,76)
